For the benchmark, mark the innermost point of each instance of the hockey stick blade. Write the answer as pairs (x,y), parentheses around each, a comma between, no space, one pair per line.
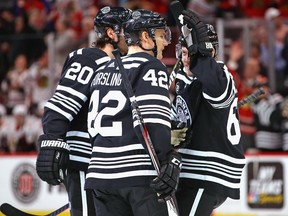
(177,9)
(251,97)
(10,210)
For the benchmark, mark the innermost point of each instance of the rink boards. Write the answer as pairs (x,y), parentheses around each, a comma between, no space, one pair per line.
(264,187)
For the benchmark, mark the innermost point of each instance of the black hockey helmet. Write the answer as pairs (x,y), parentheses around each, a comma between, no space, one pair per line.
(110,17)
(144,20)
(213,36)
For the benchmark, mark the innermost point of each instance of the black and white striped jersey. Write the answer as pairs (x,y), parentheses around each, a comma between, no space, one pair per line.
(268,122)
(119,159)
(212,158)
(66,111)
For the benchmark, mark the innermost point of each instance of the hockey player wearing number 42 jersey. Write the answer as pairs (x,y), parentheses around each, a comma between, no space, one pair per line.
(212,158)
(65,147)
(121,172)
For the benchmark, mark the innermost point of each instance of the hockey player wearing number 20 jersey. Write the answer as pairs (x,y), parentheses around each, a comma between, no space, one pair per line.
(212,158)
(121,172)
(65,147)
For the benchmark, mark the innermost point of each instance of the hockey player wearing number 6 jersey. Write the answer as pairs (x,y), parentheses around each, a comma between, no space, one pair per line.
(65,147)
(121,172)
(212,158)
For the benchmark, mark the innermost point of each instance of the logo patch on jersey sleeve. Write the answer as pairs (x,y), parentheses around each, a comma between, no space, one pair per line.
(183,112)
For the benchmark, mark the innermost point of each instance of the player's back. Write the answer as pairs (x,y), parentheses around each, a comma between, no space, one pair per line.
(211,106)
(66,112)
(111,125)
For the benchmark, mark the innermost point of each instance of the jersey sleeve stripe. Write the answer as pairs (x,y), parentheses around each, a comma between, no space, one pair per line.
(154,121)
(183,78)
(102,160)
(237,171)
(79,159)
(210,178)
(57,109)
(211,170)
(158,110)
(117,149)
(213,154)
(72,92)
(62,99)
(82,144)
(79,51)
(222,96)
(131,65)
(131,59)
(122,174)
(77,149)
(151,106)
(102,60)
(153,97)
(64,104)
(107,166)
(78,134)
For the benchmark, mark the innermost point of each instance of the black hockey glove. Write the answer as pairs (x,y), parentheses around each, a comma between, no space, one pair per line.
(52,159)
(199,34)
(166,183)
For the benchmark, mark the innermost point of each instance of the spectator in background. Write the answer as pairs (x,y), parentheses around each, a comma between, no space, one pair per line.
(281,32)
(4,147)
(284,114)
(204,8)
(19,43)
(14,86)
(228,9)
(268,119)
(251,77)
(87,29)
(71,12)
(158,6)
(22,135)
(255,52)
(65,40)
(36,29)
(235,57)
(6,30)
(40,83)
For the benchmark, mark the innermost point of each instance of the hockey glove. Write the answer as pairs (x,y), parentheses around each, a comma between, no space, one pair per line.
(199,34)
(52,159)
(166,183)
(178,132)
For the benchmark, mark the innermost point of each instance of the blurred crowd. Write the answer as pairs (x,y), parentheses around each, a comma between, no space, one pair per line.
(27,79)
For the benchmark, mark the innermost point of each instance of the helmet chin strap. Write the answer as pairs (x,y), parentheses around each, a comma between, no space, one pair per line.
(154,49)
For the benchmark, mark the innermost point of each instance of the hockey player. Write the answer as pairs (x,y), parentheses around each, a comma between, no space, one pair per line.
(65,146)
(213,160)
(120,171)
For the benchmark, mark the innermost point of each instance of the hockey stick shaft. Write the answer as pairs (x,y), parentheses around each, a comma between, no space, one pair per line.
(172,203)
(251,97)
(176,9)
(175,69)
(10,210)
(136,111)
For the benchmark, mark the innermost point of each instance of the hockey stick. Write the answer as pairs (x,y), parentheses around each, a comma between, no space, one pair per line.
(173,74)
(177,65)
(251,97)
(176,9)
(10,210)
(171,203)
